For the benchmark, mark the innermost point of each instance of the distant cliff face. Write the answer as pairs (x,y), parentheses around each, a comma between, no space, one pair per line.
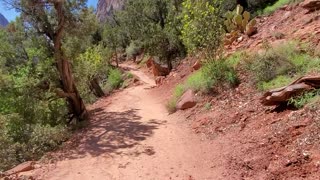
(3,21)
(105,8)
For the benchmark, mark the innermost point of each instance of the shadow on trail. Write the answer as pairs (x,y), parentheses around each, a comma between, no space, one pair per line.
(115,133)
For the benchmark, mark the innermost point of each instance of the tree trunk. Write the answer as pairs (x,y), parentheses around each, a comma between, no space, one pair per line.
(95,88)
(169,64)
(75,102)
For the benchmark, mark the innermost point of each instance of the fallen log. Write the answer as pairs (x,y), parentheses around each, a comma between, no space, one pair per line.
(284,94)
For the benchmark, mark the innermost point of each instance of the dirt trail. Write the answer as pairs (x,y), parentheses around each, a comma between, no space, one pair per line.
(131,137)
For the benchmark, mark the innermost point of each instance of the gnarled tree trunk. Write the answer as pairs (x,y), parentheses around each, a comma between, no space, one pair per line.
(75,102)
(95,88)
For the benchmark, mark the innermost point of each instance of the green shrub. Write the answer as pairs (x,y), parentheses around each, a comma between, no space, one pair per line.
(213,73)
(199,82)
(26,107)
(220,73)
(279,65)
(21,142)
(133,49)
(207,106)
(45,138)
(305,98)
(271,64)
(235,59)
(202,26)
(275,83)
(171,105)
(177,93)
(114,78)
(87,66)
(179,90)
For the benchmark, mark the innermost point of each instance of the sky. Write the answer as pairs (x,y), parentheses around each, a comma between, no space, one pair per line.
(11,14)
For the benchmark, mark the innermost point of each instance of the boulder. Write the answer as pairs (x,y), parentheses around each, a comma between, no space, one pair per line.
(158,69)
(197,65)
(311,5)
(282,95)
(26,166)
(187,100)
(149,62)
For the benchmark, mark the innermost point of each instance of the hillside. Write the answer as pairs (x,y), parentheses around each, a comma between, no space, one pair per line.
(3,21)
(105,8)
(259,142)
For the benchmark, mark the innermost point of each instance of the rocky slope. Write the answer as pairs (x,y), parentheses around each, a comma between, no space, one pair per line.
(3,21)
(260,142)
(105,8)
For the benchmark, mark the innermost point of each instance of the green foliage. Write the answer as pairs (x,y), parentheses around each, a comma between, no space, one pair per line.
(278,4)
(171,105)
(207,106)
(278,65)
(154,25)
(220,74)
(212,74)
(305,98)
(271,64)
(199,82)
(32,117)
(79,39)
(178,91)
(277,82)
(114,78)
(37,139)
(202,26)
(46,138)
(88,65)
(133,49)
(235,59)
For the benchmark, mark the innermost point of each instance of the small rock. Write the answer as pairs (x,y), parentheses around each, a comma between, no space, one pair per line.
(197,65)
(240,39)
(159,80)
(187,100)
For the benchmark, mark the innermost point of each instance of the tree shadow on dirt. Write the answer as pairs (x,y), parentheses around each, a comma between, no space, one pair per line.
(115,133)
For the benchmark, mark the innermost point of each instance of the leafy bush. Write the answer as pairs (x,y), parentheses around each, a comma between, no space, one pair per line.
(28,106)
(133,49)
(214,73)
(279,81)
(304,99)
(87,66)
(278,65)
(270,65)
(171,105)
(202,26)
(220,73)
(46,138)
(21,142)
(235,59)
(114,78)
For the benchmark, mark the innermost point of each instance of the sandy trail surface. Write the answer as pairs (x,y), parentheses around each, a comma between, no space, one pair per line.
(132,137)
